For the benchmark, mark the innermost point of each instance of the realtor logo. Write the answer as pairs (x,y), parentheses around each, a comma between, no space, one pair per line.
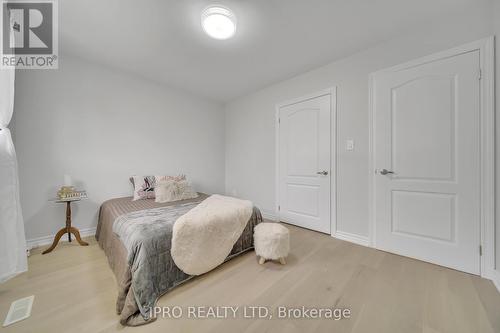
(29,34)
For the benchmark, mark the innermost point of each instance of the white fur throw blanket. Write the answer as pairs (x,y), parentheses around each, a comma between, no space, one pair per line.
(203,237)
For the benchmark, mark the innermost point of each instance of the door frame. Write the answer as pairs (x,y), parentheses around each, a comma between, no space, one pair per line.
(487,142)
(332,91)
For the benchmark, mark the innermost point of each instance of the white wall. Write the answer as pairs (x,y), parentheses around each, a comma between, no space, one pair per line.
(250,132)
(101,126)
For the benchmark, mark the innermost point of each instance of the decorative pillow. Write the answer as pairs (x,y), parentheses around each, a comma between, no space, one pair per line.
(186,190)
(177,178)
(144,186)
(171,190)
(166,191)
(162,178)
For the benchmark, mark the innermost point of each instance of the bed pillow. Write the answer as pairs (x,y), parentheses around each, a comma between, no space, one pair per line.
(144,187)
(171,190)
(186,190)
(166,191)
(177,178)
(161,178)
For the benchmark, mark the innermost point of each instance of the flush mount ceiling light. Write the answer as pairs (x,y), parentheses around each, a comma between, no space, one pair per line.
(218,22)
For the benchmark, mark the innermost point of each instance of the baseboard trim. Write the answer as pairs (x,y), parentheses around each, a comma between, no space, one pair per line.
(46,240)
(269,215)
(353,238)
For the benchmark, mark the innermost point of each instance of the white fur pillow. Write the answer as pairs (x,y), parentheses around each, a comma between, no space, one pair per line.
(171,190)
(186,190)
(166,191)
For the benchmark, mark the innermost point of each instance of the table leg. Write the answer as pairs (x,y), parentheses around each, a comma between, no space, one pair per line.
(59,234)
(68,229)
(75,232)
(68,219)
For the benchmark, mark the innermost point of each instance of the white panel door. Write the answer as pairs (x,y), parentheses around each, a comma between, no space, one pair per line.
(426,154)
(304,163)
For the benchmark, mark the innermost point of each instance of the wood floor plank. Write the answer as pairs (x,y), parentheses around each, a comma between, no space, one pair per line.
(75,291)
(488,295)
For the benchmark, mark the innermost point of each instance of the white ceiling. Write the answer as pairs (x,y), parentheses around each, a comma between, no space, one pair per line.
(276,39)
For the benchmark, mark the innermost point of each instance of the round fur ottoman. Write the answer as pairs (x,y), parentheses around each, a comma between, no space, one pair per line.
(271,241)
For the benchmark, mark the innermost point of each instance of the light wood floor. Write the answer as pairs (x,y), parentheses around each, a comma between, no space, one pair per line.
(75,291)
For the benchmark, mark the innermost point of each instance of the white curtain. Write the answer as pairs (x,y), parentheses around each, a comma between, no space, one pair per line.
(12,239)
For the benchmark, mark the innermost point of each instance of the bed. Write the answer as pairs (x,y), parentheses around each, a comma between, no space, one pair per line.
(138,287)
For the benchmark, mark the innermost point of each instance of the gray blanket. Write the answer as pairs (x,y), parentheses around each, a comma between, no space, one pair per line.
(147,235)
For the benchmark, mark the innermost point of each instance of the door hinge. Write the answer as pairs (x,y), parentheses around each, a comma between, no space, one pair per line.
(480,74)
(279,207)
(279,120)
(480,250)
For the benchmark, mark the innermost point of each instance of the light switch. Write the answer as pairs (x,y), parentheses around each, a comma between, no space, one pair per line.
(349,145)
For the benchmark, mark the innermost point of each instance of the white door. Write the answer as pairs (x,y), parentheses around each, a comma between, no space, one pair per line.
(426,154)
(304,163)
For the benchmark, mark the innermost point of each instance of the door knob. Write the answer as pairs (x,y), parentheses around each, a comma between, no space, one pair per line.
(386,172)
(324,173)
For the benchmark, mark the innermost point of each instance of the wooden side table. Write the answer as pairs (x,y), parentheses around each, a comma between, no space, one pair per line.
(67,229)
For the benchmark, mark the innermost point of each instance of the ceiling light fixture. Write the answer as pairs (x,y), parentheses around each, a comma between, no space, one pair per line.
(218,22)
